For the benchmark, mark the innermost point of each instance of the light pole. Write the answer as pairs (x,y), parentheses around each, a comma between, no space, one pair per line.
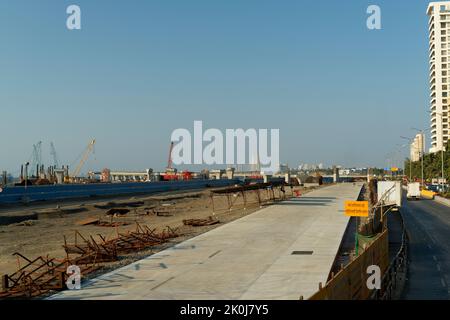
(422,149)
(390,163)
(442,153)
(410,159)
(442,150)
(400,147)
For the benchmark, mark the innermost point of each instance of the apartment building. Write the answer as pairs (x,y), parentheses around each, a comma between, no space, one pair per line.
(439,46)
(417,147)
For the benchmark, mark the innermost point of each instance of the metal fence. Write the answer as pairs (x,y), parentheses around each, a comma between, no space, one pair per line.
(394,278)
(350,282)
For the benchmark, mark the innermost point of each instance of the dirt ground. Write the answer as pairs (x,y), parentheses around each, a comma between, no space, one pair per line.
(45,236)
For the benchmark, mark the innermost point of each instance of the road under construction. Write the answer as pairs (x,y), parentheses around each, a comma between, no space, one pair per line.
(283,251)
(261,241)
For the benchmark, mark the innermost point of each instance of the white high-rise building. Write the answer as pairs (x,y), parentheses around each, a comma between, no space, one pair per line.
(439,42)
(418,148)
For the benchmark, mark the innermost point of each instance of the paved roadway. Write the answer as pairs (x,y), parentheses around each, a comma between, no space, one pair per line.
(428,226)
(250,258)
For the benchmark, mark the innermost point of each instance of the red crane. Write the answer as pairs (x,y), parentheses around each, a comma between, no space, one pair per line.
(170,162)
(171,173)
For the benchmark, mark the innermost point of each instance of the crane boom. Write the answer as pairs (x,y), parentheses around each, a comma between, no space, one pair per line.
(170,162)
(84,158)
(36,158)
(55,156)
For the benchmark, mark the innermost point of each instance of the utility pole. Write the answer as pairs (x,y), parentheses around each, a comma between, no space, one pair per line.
(422,151)
(442,155)
(410,158)
(442,152)
(442,169)
(26,173)
(400,147)
(410,169)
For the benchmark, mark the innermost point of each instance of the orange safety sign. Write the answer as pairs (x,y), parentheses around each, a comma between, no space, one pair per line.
(357,208)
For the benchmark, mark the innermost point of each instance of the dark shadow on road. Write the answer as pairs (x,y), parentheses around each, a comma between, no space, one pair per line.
(429,251)
(312,200)
(306,203)
(319,198)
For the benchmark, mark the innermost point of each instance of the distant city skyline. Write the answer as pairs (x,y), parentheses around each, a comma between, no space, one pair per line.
(139,70)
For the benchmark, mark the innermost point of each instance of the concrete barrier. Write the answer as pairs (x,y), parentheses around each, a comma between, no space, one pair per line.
(442,200)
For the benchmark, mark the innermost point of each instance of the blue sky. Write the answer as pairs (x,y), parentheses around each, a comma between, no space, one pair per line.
(338,92)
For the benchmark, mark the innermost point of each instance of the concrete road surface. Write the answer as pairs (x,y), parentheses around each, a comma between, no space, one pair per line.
(256,257)
(428,226)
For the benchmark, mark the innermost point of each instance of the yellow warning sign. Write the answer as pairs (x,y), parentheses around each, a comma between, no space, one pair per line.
(357,208)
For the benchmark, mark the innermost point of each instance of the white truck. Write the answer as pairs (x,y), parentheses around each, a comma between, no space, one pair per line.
(390,192)
(413,192)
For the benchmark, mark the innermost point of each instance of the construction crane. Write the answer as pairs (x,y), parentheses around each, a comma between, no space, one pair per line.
(85,156)
(36,161)
(171,173)
(54,155)
(170,162)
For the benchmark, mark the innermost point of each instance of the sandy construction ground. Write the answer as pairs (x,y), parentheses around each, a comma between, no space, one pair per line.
(45,236)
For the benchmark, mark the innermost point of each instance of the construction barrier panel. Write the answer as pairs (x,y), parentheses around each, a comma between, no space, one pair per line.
(14,195)
(350,282)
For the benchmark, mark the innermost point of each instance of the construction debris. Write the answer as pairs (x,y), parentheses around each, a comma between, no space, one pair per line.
(44,274)
(162,213)
(39,276)
(168,234)
(201,222)
(273,191)
(112,224)
(27,223)
(141,238)
(112,205)
(103,250)
(100,223)
(90,250)
(88,221)
(117,211)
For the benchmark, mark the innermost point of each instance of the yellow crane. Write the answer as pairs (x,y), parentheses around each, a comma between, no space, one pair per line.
(83,160)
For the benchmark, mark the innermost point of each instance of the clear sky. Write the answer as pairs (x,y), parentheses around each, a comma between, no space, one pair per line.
(338,92)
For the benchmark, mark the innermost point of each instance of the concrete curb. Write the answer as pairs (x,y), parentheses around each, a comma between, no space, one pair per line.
(442,201)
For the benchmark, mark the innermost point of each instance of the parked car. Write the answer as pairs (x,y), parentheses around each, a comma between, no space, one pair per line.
(437,187)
